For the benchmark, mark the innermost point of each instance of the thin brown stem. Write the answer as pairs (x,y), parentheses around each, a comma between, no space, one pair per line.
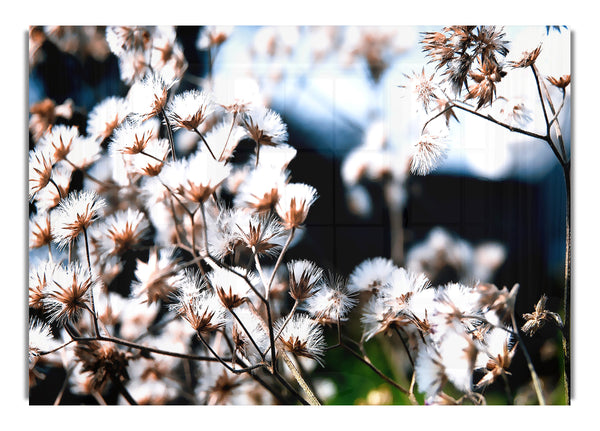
(169,134)
(57,188)
(279,260)
(93,310)
(534,377)
(262,355)
(205,143)
(228,135)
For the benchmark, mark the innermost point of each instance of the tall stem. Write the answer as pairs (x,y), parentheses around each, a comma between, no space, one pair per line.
(312,400)
(87,255)
(537,386)
(279,259)
(169,134)
(567,294)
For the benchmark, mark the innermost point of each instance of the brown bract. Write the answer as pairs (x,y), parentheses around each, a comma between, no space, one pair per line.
(562,82)
(103,361)
(528,59)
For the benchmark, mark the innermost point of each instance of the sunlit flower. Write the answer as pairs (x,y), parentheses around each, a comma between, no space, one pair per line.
(497,350)
(39,278)
(132,137)
(304,276)
(57,141)
(75,214)
(49,197)
(230,286)
(561,82)
(200,308)
(265,126)
(40,230)
(155,278)
(40,338)
(124,229)
(261,189)
(261,234)
(188,110)
(422,88)
(302,336)
(127,38)
(67,293)
(294,202)
(332,302)
(371,275)
(148,97)
(428,153)
(40,170)
(106,116)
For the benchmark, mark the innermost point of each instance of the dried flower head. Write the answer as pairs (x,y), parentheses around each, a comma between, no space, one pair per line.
(371,275)
(304,276)
(40,170)
(203,175)
(190,109)
(148,97)
(75,214)
(302,336)
(67,293)
(422,88)
(155,278)
(49,197)
(40,230)
(200,308)
(486,78)
(103,361)
(151,162)
(562,82)
(39,278)
(40,338)
(428,153)
(499,304)
(106,116)
(496,353)
(528,58)
(132,137)
(58,141)
(377,316)
(265,126)
(213,35)
(231,286)
(294,202)
(124,229)
(127,38)
(332,301)
(535,320)
(261,233)
(261,189)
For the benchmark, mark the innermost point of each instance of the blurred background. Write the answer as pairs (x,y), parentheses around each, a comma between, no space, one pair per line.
(337,88)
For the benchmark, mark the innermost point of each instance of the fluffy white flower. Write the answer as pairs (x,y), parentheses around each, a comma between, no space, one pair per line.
(428,153)
(75,214)
(294,202)
(106,116)
(371,275)
(302,336)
